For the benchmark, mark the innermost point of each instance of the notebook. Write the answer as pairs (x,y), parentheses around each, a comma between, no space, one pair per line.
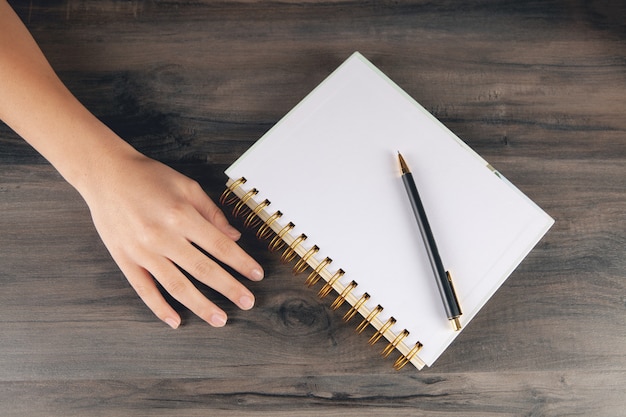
(323,186)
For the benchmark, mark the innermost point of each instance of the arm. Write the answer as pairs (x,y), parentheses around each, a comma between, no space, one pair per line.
(147,214)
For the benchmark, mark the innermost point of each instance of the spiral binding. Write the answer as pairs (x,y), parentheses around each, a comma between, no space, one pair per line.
(315,275)
(394,343)
(241,204)
(355,308)
(253,219)
(369,318)
(278,241)
(256,214)
(342,297)
(376,336)
(406,358)
(228,197)
(290,253)
(302,264)
(265,230)
(328,287)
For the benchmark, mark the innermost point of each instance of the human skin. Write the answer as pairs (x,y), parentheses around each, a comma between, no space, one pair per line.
(149,216)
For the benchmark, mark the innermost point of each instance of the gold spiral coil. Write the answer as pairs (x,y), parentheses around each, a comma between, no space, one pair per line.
(355,308)
(315,275)
(226,199)
(241,204)
(367,320)
(266,228)
(376,336)
(404,359)
(277,242)
(290,252)
(302,263)
(253,219)
(342,297)
(393,344)
(328,287)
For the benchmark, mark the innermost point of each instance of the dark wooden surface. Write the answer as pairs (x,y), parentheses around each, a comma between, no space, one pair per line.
(537,88)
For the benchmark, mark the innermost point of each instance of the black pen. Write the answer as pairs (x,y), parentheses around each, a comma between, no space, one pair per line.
(444,281)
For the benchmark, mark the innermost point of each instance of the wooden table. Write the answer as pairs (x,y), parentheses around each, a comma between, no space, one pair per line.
(538,89)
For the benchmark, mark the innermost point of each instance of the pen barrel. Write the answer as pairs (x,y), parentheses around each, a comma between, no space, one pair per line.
(446,289)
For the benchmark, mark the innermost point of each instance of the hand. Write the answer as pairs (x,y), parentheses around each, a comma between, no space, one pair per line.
(149,216)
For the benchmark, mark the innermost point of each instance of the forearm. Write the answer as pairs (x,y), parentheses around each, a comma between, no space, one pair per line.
(148,215)
(36,104)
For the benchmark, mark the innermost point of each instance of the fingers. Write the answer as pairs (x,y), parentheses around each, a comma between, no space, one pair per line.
(209,238)
(144,285)
(208,229)
(213,275)
(165,242)
(204,234)
(179,287)
(211,212)
(180,252)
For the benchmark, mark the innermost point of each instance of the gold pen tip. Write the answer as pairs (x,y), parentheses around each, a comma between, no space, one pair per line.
(456,323)
(403,166)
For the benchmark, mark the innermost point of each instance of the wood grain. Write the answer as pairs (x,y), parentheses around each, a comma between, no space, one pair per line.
(537,88)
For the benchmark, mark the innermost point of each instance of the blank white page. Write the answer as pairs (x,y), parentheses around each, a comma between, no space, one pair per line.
(331,166)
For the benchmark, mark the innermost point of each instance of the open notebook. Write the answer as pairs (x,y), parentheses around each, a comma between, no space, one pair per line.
(330,168)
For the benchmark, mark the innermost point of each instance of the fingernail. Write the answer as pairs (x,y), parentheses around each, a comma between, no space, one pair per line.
(173,323)
(246,302)
(257,274)
(218,320)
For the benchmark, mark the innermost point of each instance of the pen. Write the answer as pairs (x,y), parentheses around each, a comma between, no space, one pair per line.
(444,281)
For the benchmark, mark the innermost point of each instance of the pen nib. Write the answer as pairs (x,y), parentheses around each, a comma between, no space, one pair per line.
(403,166)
